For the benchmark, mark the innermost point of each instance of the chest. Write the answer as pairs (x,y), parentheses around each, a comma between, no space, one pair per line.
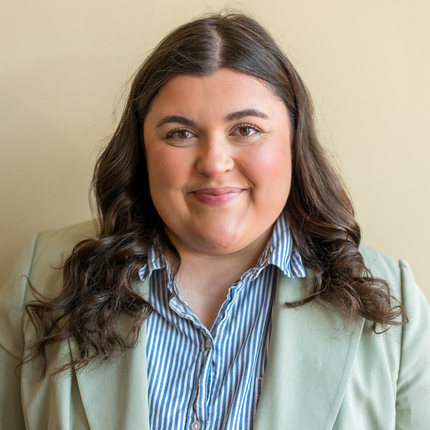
(212,377)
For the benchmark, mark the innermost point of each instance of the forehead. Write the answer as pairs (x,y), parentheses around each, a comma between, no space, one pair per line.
(222,92)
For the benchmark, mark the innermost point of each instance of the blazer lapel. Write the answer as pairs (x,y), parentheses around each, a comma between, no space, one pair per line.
(115,395)
(309,361)
(310,358)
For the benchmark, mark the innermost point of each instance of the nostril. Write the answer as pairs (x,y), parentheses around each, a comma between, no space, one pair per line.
(214,161)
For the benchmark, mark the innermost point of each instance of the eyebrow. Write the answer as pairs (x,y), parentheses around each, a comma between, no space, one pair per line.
(175,118)
(244,113)
(230,117)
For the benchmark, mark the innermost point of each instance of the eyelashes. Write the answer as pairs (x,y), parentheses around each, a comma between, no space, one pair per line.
(249,129)
(180,133)
(244,131)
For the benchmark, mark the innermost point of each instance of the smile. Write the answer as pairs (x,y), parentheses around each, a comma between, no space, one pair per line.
(216,196)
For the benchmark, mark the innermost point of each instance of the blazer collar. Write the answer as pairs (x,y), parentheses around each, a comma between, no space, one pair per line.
(309,361)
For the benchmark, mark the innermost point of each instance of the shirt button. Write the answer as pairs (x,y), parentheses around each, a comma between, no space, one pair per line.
(208,345)
(196,425)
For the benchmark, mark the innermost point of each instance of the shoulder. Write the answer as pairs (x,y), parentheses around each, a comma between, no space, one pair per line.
(397,273)
(64,239)
(381,265)
(40,262)
(401,353)
(51,250)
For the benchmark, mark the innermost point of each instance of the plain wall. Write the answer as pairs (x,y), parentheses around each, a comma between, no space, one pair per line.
(366,64)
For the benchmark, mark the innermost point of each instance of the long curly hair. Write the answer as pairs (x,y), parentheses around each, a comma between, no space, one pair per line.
(98,276)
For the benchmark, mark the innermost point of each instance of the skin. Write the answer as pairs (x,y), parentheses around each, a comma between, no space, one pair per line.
(219,164)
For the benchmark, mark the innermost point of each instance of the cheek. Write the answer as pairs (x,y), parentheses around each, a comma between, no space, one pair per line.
(166,169)
(271,168)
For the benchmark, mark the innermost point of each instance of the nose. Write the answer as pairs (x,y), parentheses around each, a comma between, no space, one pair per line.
(215,157)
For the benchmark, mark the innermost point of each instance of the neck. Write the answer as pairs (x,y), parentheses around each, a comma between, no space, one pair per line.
(204,279)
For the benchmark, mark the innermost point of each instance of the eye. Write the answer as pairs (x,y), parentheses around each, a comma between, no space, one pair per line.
(244,131)
(179,134)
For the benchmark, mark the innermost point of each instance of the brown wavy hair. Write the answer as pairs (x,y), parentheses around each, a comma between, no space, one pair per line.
(98,276)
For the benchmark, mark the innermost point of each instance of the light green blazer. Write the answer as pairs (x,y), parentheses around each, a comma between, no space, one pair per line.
(319,376)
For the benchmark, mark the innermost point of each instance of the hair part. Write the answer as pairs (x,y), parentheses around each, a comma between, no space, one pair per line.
(98,276)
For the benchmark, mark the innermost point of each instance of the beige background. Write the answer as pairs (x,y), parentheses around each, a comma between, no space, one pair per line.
(366,63)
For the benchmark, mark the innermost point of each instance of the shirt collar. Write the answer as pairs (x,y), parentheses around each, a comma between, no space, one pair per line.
(279,251)
(156,261)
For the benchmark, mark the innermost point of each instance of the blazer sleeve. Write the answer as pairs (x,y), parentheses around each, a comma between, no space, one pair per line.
(12,299)
(413,384)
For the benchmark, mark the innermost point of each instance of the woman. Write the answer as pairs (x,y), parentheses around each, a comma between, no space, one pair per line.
(223,287)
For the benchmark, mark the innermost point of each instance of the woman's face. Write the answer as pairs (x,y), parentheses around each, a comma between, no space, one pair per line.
(219,161)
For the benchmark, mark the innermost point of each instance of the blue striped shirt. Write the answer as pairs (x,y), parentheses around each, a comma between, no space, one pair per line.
(211,379)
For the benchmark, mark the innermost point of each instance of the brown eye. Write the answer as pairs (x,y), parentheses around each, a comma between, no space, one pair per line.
(245,131)
(179,134)
(183,134)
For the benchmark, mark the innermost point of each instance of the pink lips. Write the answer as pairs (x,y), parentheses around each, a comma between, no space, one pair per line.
(216,196)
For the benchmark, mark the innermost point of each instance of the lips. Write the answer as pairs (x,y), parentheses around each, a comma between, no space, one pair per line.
(216,196)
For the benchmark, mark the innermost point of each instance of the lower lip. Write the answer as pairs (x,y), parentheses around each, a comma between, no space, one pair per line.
(216,199)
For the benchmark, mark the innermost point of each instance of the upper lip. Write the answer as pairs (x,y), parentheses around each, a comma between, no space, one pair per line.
(216,191)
